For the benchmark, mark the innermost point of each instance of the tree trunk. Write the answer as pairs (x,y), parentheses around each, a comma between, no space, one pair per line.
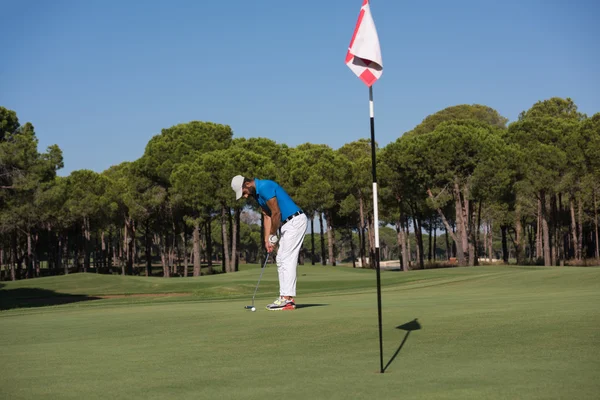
(596,226)
(164,257)
(58,253)
(174,251)
(312,239)
(184,242)
(434,240)
(209,247)
(485,240)
(34,254)
(448,249)
(399,241)
(574,230)
(504,229)
(323,258)
(419,240)
(102,257)
(238,213)
(406,244)
(545,231)
(477,238)
(490,237)
(77,247)
(518,236)
(371,233)
(160,242)
(196,247)
(471,238)
(95,254)
(554,229)
(116,251)
(461,226)
(124,246)
(460,255)
(352,249)
(13,256)
(86,246)
(539,235)
(361,232)
(65,253)
(234,234)
(580,232)
(230,267)
(330,238)
(148,240)
(109,251)
(361,246)
(401,244)
(148,249)
(29,258)
(429,244)
(225,236)
(129,242)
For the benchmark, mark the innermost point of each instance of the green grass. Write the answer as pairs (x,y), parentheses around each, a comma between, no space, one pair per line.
(485,333)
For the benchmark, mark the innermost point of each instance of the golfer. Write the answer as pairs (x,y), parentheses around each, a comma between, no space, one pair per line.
(281,213)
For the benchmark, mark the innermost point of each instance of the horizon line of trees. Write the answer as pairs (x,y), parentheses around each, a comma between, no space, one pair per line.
(533,183)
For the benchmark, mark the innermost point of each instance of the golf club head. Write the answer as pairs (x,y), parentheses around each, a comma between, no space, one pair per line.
(248,307)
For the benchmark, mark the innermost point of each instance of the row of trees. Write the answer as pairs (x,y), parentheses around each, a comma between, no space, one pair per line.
(537,180)
(534,183)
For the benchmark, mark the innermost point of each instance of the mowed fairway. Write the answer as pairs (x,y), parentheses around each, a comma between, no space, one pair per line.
(480,333)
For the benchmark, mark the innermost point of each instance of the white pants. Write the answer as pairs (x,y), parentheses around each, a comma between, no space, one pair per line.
(292,237)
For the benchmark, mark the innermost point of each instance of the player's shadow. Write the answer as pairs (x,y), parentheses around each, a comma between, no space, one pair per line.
(310,305)
(410,326)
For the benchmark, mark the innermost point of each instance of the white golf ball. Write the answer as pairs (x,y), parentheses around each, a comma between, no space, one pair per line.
(253,308)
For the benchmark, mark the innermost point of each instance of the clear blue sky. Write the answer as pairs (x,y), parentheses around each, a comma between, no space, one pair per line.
(100,78)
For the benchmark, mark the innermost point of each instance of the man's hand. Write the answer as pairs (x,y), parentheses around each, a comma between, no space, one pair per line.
(271,242)
(269,246)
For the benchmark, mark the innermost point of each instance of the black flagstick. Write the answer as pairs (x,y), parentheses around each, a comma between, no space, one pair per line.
(376,226)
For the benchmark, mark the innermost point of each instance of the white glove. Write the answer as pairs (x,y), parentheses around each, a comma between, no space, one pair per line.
(273,239)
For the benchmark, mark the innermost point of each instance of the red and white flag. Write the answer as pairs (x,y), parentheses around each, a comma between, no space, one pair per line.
(364,53)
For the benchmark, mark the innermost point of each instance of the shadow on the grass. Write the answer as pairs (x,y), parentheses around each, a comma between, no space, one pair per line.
(310,305)
(410,326)
(32,297)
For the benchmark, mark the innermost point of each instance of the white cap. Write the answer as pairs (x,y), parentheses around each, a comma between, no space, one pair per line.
(236,184)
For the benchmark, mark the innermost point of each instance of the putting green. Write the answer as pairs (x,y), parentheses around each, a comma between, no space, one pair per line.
(461,333)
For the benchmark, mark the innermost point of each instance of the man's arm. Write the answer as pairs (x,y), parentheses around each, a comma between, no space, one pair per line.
(267,222)
(272,222)
(275,215)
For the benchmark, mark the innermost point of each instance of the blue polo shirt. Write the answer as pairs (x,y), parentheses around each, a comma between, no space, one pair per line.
(266,190)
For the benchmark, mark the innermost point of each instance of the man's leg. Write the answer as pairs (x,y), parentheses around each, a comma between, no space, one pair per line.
(292,237)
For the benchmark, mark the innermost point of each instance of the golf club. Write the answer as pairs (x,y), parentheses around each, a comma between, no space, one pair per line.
(257,283)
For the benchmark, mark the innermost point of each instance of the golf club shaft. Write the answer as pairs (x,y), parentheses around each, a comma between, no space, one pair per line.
(260,277)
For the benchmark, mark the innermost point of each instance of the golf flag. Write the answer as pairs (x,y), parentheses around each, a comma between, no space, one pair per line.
(364,53)
(364,59)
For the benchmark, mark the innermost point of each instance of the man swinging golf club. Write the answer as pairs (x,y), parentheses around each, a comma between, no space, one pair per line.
(281,213)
